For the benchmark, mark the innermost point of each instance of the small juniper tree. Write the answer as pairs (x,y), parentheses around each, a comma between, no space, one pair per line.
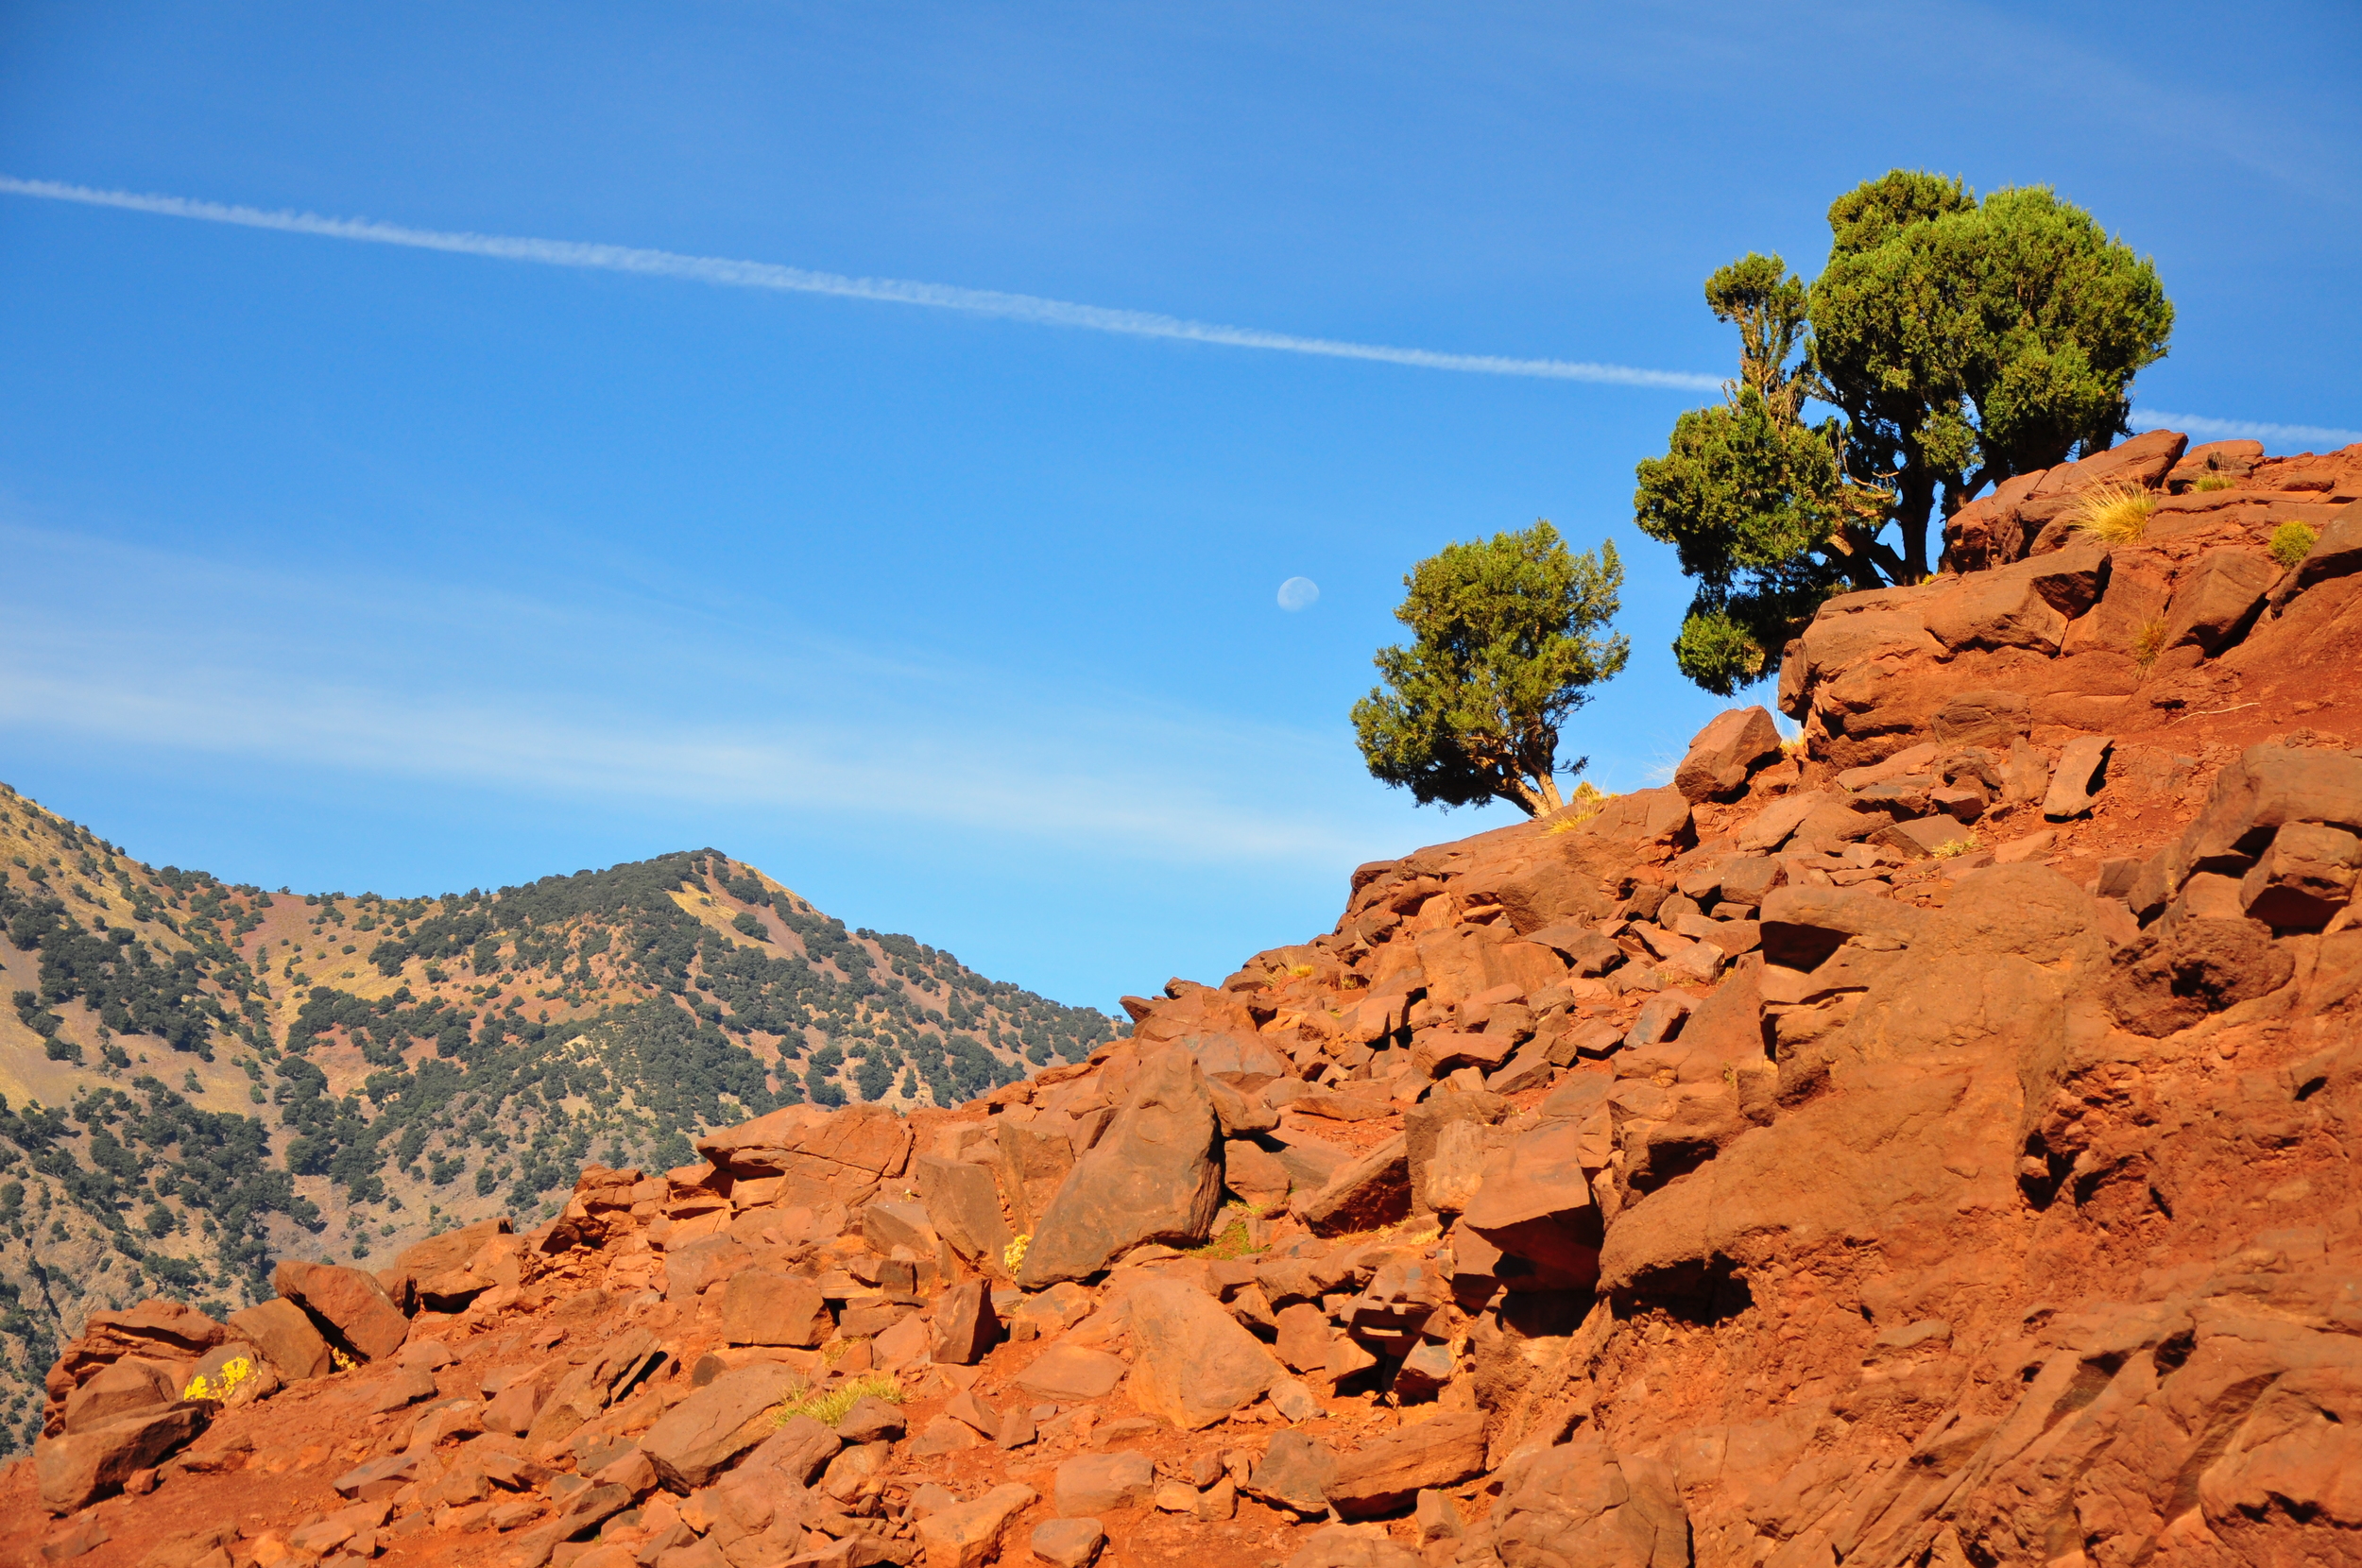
(1504,645)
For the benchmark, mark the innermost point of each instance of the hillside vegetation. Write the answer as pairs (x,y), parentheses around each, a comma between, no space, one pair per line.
(199,1078)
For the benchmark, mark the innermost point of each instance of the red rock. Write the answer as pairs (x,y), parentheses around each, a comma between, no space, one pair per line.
(1579,1503)
(2337,553)
(1191,1362)
(1534,1204)
(77,1469)
(963,1204)
(1068,1542)
(1371,1191)
(2305,879)
(827,1156)
(706,1433)
(969,1534)
(128,1387)
(2072,786)
(1071,1373)
(2265,789)
(966,1327)
(455,1249)
(1244,1060)
(1092,1484)
(1382,1476)
(1151,1177)
(1031,1166)
(1917,840)
(1304,1337)
(349,1306)
(1722,755)
(2218,599)
(761,1308)
(1343,1546)
(1293,1473)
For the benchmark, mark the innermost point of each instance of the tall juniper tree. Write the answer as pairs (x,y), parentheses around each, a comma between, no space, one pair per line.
(1960,341)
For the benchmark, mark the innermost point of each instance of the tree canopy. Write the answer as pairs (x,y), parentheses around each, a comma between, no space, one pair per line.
(1960,342)
(1504,646)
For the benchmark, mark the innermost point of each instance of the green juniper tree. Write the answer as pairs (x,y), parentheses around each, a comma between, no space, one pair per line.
(1960,341)
(1504,646)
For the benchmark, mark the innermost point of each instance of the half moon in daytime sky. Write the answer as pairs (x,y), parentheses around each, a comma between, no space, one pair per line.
(1298,593)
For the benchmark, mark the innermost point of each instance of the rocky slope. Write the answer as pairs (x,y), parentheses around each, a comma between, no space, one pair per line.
(196,1077)
(1928,1144)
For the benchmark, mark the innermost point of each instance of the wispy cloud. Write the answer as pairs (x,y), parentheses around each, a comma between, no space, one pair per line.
(729,272)
(2198,424)
(913,741)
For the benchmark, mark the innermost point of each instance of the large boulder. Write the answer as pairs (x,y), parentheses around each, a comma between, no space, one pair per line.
(1152,1176)
(1802,925)
(760,1307)
(284,1333)
(1192,1363)
(1534,1205)
(705,1434)
(2219,600)
(1371,1190)
(2337,553)
(1034,1163)
(1722,754)
(128,1387)
(77,1469)
(441,1254)
(963,1203)
(349,1307)
(168,1333)
(825,1157)
(2268,787)
(1092,1484)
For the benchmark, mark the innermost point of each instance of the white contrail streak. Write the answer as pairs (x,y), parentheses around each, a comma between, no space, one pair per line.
(765,275)
(2198,424)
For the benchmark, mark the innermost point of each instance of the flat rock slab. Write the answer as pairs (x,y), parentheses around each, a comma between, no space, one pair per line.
(1071,1374)
(1381,1476)
(1091,1484)
(705,1434)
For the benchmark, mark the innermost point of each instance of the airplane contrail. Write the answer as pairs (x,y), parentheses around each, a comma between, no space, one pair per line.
(729,272)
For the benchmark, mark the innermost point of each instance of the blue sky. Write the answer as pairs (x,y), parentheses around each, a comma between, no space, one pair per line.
(352,566)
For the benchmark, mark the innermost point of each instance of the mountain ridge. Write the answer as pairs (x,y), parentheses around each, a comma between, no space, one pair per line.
(197,1077)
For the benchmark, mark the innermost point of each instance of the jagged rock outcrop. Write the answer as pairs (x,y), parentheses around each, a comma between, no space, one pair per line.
(1924,1145)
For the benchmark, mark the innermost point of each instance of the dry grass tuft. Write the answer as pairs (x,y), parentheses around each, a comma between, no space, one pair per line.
(1952,849)
(2114,513)
(1585,803)
(2292,541)
(828,1406)
(2214,482)
(2148,641)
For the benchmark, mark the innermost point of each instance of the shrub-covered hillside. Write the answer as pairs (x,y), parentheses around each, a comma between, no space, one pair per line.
(198,1078)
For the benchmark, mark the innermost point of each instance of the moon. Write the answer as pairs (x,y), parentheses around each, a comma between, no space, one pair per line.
(1298,593)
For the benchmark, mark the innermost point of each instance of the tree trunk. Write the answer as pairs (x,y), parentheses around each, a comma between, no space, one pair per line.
(1537,799)
(1917,500)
